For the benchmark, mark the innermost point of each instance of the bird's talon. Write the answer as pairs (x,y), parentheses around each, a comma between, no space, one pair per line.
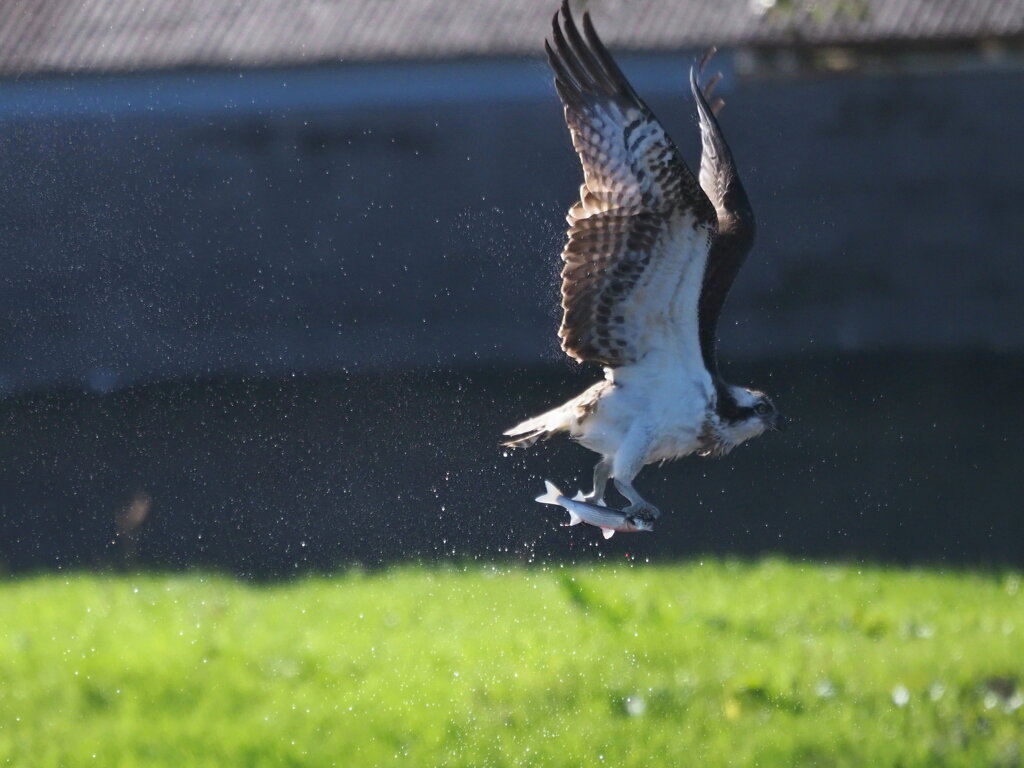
(643,511)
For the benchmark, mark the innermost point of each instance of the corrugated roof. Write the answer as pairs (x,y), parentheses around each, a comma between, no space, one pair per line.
(114,35)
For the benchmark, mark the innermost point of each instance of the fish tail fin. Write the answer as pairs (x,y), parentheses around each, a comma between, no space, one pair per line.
(551,495)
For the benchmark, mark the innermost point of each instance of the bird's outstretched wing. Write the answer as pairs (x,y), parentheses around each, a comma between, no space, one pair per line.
(736,227)
(639,235)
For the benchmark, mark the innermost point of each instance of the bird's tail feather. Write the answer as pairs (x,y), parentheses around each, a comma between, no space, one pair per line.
(526,433)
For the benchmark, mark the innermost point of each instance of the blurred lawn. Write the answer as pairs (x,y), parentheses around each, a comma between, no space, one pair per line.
(703,664)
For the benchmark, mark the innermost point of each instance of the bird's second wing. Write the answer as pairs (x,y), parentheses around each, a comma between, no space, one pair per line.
(736,227)
(642,226)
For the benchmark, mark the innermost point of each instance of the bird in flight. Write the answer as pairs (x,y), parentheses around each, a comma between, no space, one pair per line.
(651,254)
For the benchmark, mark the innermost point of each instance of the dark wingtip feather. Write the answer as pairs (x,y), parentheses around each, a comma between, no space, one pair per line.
(703,95)
(555,61)
(709,86)
(582,60)
(704,110)
(708,55)
(572,68)
(586,58)
(612,73)
(694,87)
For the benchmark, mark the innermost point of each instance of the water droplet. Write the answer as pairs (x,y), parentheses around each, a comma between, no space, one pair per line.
(635,706)
(900,696)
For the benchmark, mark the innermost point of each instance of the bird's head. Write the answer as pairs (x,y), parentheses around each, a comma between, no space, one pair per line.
(745,413)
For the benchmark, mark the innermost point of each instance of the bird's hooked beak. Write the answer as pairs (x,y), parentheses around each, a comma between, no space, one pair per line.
(779,423)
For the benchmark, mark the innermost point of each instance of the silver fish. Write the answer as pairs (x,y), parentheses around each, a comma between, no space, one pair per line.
(608,520)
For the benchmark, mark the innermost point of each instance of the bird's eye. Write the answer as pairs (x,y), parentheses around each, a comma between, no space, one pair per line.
(762,408)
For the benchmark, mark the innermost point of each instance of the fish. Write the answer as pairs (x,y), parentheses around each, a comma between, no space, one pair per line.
(609,521)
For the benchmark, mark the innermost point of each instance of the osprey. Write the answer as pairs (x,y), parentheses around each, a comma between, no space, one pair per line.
(650,257)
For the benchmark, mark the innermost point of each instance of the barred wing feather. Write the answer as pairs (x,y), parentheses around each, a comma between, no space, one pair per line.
(639,235)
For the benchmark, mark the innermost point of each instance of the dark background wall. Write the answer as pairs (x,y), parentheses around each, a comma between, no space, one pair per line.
(292,311)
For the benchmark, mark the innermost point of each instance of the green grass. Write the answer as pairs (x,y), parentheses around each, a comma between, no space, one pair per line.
(713,664)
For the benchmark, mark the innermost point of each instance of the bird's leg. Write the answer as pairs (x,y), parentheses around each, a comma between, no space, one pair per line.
(626,465)
(638,507)
(602,471)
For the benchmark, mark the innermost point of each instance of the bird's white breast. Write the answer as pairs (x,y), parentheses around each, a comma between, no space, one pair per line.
(658,399)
